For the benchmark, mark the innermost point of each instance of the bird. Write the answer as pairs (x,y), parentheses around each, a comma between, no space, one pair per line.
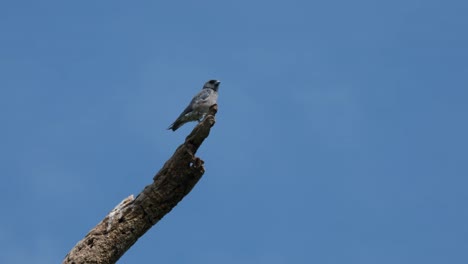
(199,105)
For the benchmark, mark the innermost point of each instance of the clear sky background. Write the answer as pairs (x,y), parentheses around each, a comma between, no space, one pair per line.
(341,135)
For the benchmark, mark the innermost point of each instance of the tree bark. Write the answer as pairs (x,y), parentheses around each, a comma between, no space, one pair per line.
(130,219)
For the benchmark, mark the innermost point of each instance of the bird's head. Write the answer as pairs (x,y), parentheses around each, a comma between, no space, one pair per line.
(212,84)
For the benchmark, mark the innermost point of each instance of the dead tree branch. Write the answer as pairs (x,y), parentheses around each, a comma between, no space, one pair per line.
(129,220)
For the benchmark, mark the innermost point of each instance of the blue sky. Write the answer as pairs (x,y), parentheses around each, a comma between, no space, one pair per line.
(341,135)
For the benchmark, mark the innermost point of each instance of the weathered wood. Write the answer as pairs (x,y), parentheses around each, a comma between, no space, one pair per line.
(129,220)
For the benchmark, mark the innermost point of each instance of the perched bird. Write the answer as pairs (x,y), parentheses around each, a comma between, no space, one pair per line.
(199,105)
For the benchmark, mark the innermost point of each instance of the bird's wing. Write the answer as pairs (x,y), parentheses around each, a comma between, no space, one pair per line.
(197,99)
(201,96)
(187,110)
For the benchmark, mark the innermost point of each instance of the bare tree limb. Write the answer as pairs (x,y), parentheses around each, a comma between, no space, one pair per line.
(130,219)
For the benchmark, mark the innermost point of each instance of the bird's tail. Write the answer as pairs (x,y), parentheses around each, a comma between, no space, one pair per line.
(175,125)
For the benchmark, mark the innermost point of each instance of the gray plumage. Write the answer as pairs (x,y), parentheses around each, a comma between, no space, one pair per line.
(199,105)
